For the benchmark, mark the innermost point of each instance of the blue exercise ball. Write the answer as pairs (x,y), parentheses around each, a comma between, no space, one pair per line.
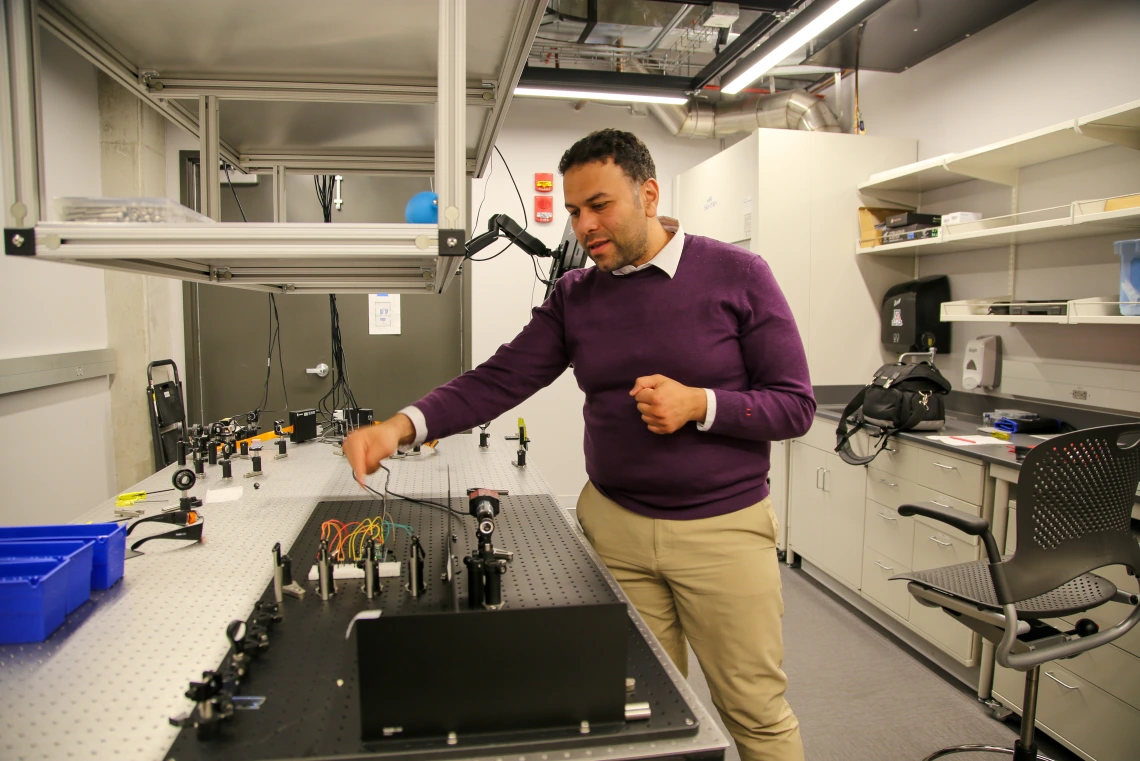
(422,209)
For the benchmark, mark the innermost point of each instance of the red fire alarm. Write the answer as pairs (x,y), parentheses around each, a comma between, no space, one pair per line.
(544,181)
(543,208)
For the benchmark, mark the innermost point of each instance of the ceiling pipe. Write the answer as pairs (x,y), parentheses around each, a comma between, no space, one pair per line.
(794,109)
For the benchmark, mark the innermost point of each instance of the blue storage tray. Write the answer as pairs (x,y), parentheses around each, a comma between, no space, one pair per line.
(110,540)
(79,552)
(33,599)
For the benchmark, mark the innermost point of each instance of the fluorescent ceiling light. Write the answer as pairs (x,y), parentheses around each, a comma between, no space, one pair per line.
(812,29)
(621,97)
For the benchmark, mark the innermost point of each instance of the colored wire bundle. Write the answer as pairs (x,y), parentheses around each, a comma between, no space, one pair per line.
(348,540)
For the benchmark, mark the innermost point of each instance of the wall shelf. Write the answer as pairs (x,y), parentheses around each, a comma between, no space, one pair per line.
(1095,311)
(999,162)
(1081,219)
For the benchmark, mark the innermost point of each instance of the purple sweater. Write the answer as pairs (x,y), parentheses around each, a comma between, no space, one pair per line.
(720,323)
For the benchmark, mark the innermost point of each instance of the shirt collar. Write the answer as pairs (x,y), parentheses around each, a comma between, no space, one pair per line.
(669,257)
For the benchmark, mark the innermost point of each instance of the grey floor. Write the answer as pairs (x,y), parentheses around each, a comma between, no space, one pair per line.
(861,697)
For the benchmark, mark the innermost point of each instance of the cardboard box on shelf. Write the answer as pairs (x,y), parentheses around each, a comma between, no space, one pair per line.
(870,216)
(1123,202)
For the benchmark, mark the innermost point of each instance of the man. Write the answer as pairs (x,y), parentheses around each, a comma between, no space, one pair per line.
(691,364)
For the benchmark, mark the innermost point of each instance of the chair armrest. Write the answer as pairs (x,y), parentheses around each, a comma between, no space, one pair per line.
(963,521)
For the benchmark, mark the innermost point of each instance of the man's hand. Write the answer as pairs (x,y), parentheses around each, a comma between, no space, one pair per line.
(366,447)
(666,405)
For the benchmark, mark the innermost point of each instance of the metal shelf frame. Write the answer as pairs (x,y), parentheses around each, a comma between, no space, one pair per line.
(365,258)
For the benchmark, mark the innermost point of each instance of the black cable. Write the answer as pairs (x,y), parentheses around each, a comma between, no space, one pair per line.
(486,184)
(230,182)
(425,502)
(280,354)
(522,205)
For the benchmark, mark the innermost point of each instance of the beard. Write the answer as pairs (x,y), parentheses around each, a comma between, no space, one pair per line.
(629,246)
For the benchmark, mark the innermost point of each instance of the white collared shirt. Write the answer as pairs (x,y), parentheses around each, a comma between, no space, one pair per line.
(667,260)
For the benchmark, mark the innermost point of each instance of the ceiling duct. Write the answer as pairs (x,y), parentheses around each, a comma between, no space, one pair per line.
(794,109)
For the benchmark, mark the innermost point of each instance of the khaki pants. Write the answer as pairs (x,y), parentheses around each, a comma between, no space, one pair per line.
(716,583)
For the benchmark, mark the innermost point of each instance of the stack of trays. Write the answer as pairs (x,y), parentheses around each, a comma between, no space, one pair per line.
(47,572)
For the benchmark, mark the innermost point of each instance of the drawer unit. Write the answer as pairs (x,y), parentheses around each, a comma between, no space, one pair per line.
(934,548)
(1113,670)
(943,473)
(884,530)
(1095,723)
(877,571)
(893,490)
(946,631)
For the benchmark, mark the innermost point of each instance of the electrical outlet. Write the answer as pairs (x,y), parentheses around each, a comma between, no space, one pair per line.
(1080,394)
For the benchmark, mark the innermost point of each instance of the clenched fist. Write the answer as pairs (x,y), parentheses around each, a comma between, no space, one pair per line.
(666,405)
(366,447)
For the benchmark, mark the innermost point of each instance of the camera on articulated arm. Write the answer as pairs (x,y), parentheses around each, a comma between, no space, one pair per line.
(485,567)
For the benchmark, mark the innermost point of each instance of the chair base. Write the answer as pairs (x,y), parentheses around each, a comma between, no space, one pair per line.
(982,749)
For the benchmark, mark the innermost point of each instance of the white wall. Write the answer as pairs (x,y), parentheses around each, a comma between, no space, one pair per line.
(535,135)
(1051,62)
(55,442)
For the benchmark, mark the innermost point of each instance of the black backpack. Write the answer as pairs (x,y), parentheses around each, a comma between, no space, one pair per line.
(902,397)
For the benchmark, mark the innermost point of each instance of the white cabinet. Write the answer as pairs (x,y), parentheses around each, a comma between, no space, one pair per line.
(844,519)
(826,511)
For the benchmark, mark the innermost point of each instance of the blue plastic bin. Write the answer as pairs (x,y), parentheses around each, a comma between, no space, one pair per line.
(80,554)
(1129,253)
(33,600)
(110,540)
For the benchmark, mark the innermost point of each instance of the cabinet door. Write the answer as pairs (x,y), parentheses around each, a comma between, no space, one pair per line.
(805,498)
(844,509)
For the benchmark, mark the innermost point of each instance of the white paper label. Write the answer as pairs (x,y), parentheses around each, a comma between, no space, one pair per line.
(384,314)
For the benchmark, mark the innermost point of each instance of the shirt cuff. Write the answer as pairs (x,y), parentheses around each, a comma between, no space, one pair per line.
(419,423)
(710,410)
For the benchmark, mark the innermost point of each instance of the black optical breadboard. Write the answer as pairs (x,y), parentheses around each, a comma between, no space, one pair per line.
(308,675)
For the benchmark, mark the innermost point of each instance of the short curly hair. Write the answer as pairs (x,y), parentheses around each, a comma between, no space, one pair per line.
(624,148)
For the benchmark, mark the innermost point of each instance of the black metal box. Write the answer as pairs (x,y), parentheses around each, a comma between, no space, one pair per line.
(304,424)
(480,672)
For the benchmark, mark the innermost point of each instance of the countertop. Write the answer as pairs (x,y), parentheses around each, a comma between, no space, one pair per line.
(957,424)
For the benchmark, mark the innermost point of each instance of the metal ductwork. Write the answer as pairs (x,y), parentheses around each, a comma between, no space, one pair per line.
(794,109)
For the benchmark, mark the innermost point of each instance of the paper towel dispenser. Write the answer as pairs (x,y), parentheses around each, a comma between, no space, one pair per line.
(911,315)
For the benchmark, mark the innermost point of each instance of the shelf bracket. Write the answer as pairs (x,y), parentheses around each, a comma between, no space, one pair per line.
(1129,137)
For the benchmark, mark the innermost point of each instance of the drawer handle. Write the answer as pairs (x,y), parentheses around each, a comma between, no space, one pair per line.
(826,486)
(939,541)
(886,517)
(939,504)
(888,483)
(818,471)
(884,567)
(944,467)
(1058,681)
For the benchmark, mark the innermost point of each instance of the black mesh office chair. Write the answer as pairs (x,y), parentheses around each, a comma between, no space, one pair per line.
(1074,508)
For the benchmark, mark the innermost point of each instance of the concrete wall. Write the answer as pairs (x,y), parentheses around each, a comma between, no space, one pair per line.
(144,314)
(56,443)
(504,290)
